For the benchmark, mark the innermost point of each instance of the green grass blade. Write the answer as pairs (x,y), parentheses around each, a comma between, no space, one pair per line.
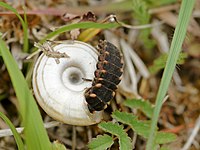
(35,133)
(24,25)
(81,25)
(25,44)
(16,135)
(179,35)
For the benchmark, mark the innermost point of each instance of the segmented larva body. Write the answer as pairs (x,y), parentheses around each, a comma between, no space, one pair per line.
(107,77)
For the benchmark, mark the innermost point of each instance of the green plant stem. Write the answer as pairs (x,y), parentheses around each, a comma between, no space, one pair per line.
(175,49)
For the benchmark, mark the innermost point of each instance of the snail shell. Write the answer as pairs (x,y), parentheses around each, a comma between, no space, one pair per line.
(59,87)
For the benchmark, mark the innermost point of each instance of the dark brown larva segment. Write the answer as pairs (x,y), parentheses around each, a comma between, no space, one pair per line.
(111,68)
(103,93)
(94,101)
(106,83)
(111,59)
(98,107)
(107,77)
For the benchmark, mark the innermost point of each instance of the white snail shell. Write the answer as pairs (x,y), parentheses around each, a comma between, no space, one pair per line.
(59,88)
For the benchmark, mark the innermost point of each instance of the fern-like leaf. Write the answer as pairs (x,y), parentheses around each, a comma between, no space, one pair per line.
(140,127)
(160,62)
(156,3)
(117,130)
(101,142)
(164,148)
(140,10)
(164,137)
(144,106)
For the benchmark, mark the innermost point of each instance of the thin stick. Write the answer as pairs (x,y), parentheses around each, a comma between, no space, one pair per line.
(48,50)
(113,18)
(130,67)
(73,137)
(193,135)
(8,132)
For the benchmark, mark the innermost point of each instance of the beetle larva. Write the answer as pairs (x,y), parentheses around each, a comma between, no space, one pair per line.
(107,77)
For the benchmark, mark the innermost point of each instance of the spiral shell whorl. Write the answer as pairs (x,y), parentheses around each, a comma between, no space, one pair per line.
(59,88)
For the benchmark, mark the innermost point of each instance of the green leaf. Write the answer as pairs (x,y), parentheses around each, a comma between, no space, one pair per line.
(140,10)
(163,137)
(24,24)
(164,148)
(35,133)
(117,130)
(16,135)
(140,127)
(58,146)
(141,14)
(156,3)
(88,34)
(101,142)
(156,147)
(143,105)
(160,62)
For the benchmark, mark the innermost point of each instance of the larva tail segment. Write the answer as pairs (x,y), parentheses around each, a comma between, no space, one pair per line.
(94,103)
